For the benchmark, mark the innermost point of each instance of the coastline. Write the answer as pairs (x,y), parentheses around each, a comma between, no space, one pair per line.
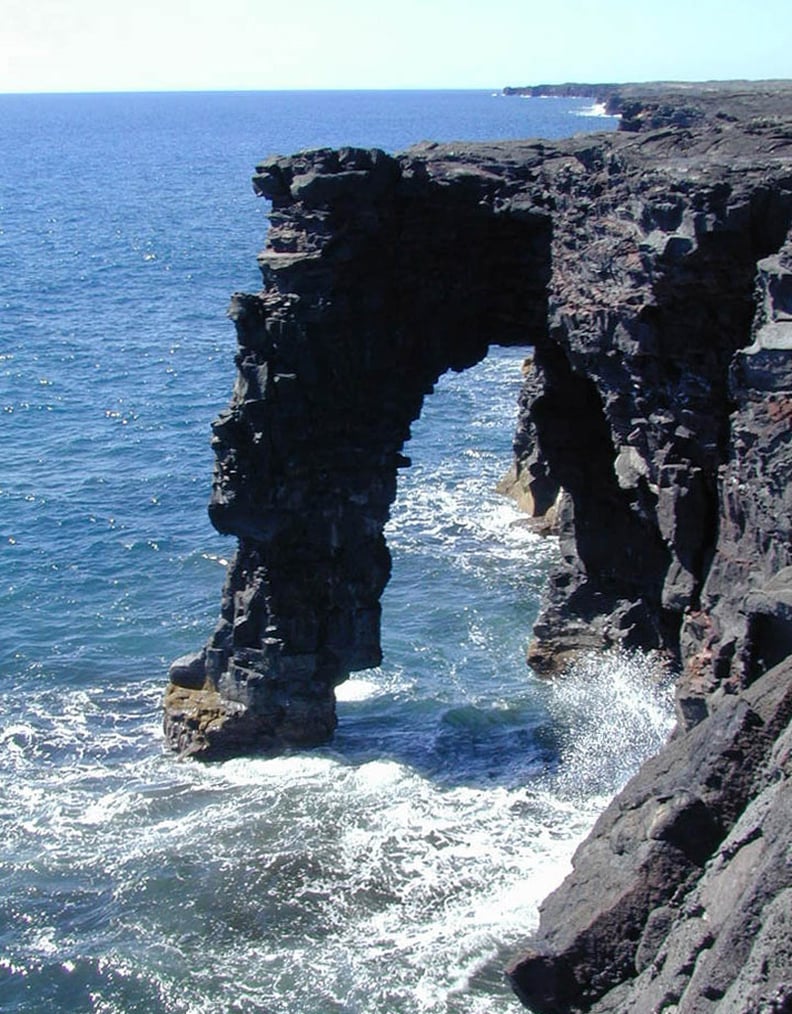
(650,270)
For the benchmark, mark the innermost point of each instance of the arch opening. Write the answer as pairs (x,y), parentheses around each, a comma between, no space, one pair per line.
(453,698)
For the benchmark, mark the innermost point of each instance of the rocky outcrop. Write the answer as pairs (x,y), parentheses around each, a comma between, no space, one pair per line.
(653,295)
(680,897)
(652,105)
(677,535)
(651,270)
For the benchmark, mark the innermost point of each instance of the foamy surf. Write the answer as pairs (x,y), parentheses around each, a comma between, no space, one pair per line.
(310,882)
(598,109)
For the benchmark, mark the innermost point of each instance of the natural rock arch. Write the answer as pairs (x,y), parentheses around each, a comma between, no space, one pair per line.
(377,282)
(651,270)
(634,279)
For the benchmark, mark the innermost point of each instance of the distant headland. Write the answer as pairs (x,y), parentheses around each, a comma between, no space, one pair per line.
(664,103)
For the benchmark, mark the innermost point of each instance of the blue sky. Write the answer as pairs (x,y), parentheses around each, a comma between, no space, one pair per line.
(131,45)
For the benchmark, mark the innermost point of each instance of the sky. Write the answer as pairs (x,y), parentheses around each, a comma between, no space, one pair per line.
(166,45)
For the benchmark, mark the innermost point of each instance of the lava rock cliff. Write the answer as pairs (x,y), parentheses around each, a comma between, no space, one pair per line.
(651,270)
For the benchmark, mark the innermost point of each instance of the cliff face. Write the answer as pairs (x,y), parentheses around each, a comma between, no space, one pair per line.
(659,245)
(681,897)
(652,271)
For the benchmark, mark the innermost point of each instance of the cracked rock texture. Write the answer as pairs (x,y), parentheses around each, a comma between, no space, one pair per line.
(651,271)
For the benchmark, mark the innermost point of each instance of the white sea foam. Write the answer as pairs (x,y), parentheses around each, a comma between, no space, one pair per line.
(291,769)
(357,688)
(616,709)
(598,109)
(376,776)
(268,868)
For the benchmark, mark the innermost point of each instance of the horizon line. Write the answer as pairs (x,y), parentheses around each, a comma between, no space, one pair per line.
(493,89)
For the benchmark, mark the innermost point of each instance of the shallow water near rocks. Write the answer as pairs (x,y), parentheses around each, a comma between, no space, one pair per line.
(395,870)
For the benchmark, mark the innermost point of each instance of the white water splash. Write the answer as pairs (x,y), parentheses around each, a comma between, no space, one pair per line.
(616,710)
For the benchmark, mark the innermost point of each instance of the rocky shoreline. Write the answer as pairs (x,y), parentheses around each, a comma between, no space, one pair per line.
(651,269)
(681,898)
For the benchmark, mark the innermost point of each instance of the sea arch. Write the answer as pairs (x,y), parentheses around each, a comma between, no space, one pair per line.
(380,274)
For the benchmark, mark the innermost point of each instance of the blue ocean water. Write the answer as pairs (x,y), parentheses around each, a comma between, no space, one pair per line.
(395,870)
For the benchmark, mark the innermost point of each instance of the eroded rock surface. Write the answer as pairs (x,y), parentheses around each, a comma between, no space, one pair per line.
(651,270)
(680,897)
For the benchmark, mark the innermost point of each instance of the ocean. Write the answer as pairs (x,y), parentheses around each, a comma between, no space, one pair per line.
(394,871)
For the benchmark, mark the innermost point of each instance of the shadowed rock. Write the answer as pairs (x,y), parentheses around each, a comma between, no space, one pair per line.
(381,274)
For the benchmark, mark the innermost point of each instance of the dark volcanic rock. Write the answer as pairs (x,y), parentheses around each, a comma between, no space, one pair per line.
(651,270)
(375,286)
(645,900)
